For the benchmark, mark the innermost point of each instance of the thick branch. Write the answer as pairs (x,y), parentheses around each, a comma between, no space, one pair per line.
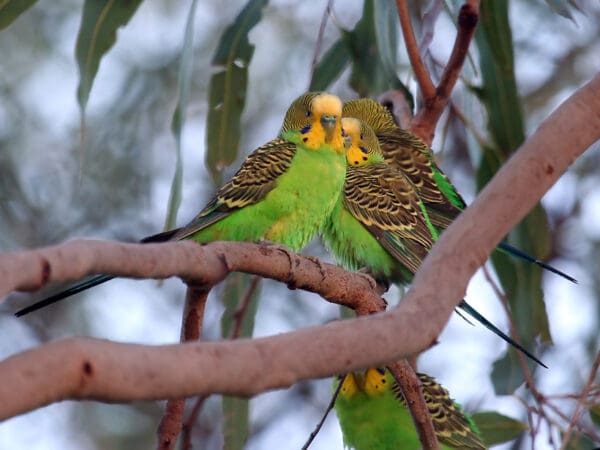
(86,368)
(202,265)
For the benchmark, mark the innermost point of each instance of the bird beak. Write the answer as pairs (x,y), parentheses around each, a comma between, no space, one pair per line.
(329,122)
(347,141)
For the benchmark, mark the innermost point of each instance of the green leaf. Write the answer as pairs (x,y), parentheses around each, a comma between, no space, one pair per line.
(331,66)
(97,34)
(184,81)
(595,414)
(11,10)
(228,89)
(385,20)
(496,428)
(521,281)
(235,410)
(580,441)
(371,75)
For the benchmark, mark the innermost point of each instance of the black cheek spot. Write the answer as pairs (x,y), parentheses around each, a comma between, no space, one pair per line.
(304,139)
(365,158)
(355,162)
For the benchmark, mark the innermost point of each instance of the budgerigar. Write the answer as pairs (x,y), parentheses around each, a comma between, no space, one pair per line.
(283,192)
(414,158)
(373,415)
(380,222)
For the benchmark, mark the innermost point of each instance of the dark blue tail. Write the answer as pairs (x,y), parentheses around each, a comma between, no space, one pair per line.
(509,249)
(79,287)
(490,326)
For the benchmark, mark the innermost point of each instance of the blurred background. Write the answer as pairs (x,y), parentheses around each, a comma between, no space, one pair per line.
(112,179)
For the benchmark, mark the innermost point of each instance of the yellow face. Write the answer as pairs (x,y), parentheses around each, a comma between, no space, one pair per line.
(316,119)
(350,385)
(362,146)
(376,381)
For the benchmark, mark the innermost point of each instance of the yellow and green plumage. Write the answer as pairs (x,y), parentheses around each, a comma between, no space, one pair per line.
(283,192)
(374,416)
(380,221)
(408,153)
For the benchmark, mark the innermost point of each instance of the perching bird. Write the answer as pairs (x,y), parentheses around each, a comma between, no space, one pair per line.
(412,156)
(373,415)
(283,192)
(380,222)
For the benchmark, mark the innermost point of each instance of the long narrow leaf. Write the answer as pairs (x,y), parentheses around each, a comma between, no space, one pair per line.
(521,281)
(184,82)
(331,66)
(228,89)
(12,10)
(97,34)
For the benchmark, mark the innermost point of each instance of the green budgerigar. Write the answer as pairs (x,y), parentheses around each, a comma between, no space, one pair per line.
(373,415)
(414,158)
(380,221)
(283,192)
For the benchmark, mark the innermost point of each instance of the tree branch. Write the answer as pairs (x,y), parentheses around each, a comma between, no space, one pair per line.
(78,368)
(191,329)
(436,98)
(412,48)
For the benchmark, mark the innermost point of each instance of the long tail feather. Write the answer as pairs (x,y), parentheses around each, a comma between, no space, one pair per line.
(490,326)
(507,248)
(94,281)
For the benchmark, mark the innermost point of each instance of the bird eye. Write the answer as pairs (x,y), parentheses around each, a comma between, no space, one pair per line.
(361,137)
(308,113)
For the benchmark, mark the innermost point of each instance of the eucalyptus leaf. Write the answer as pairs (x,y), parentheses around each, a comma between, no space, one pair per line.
(496,428)
(184,81)
(521,281)
(100,21)
(227,88)
(10,10)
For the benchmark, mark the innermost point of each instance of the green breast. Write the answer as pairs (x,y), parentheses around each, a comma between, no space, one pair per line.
(376,422)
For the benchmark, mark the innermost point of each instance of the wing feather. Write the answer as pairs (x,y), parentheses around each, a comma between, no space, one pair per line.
(252,182)
(386,203)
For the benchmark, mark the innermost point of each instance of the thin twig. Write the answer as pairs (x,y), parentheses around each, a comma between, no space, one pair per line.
(426,119)
(240,312)
(315,432)
(579,405)
(186,435)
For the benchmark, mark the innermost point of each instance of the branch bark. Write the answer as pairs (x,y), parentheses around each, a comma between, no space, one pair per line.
(436,97)
(78,368)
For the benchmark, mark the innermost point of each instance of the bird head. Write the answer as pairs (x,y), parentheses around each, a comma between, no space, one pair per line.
(362,147)
(377,116)
(313,120)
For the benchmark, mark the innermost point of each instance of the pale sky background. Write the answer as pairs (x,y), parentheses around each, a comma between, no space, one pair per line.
(43,82)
